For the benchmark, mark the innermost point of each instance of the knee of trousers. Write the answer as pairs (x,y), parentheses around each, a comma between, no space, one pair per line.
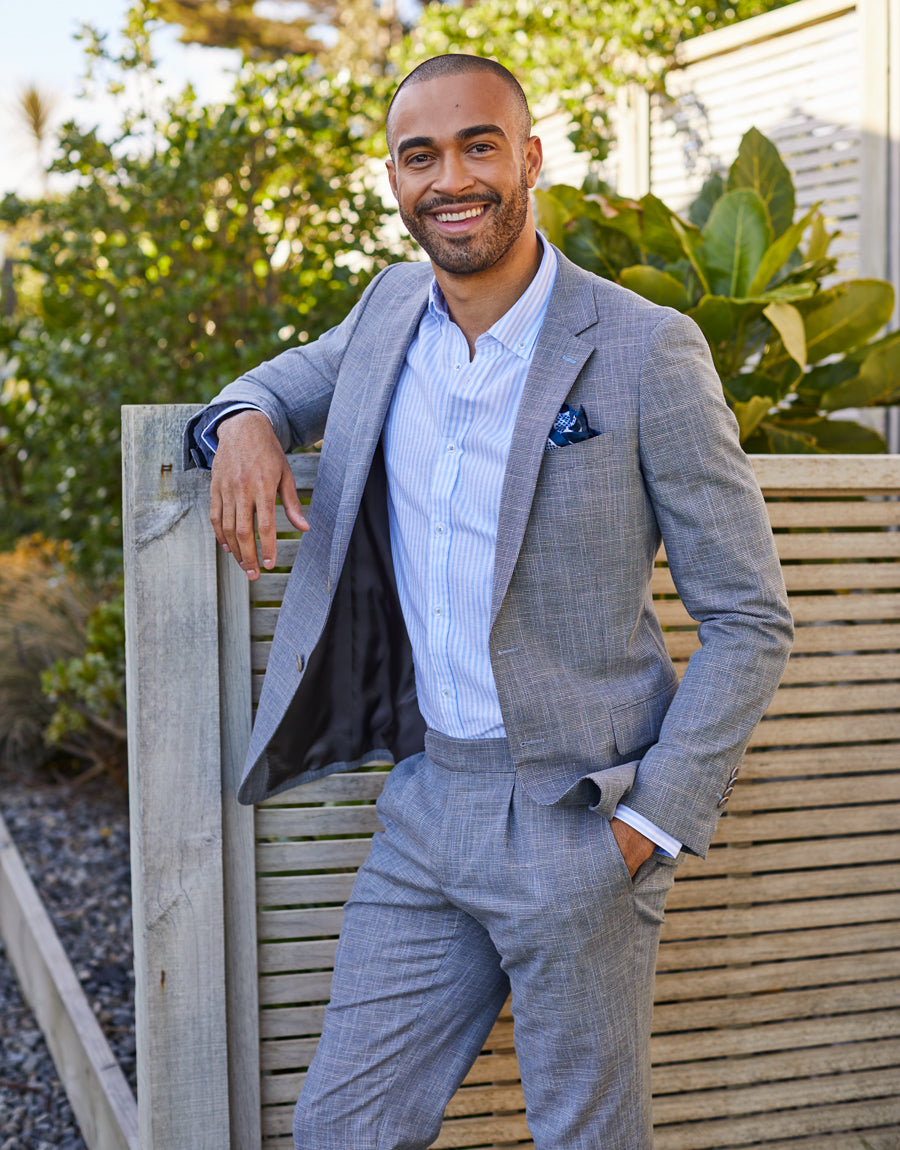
(318,1127)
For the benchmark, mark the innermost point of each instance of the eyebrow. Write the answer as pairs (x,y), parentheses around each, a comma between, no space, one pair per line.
(415,142)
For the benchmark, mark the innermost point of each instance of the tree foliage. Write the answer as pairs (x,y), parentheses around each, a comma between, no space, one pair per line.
(170,267)
(789,350)
(575,55)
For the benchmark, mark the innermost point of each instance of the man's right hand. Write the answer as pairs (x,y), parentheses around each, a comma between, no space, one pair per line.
(249,469)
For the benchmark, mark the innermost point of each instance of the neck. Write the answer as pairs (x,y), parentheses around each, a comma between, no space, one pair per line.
(477,301)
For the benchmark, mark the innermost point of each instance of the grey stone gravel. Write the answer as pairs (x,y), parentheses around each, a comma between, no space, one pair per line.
(73,838)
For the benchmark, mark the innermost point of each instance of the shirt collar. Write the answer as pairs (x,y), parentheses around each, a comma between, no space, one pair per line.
(517,329)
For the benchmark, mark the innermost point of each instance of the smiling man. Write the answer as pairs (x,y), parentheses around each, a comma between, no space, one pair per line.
(506,441)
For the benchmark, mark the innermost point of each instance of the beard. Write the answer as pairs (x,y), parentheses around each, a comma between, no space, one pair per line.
(469,254)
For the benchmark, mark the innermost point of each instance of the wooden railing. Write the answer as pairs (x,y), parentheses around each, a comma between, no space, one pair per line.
(777,1019)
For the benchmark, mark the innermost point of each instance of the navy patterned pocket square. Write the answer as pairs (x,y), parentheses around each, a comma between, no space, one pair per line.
(570,426)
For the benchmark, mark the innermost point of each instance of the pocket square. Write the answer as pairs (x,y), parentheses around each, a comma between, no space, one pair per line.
(570,426)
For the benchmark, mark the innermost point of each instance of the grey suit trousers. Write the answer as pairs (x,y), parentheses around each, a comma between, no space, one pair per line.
(471,890)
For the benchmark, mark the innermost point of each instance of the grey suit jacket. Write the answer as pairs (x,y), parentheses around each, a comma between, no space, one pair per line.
(590,699)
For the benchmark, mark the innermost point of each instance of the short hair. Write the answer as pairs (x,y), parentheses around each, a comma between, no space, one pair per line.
(456,64)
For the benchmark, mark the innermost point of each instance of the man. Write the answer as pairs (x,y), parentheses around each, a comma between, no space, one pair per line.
(507,439)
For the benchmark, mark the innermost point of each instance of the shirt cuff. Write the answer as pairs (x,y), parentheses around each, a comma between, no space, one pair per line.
(665,844)
(208,436)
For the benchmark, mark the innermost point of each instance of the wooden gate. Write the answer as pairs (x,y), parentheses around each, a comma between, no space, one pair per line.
(777,1019)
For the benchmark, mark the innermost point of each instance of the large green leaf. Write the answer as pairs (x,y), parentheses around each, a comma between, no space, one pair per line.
(748,385)
(735,240)
(777,254)
(759,167)
(657,286)
(690,239)
(659,233)
(788,322)
(877,382)
(750,414)
(713,189)
(551,215)
(845,317)
(718,317)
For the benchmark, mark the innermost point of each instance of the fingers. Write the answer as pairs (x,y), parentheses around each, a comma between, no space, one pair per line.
(249,471)
(290,501)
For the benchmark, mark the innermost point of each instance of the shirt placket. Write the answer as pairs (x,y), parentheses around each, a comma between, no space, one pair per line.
(452,432)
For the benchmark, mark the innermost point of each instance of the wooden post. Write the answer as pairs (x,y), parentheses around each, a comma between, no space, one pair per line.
(174,740)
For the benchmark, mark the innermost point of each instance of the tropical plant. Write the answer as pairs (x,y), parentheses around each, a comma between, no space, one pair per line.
(791,347)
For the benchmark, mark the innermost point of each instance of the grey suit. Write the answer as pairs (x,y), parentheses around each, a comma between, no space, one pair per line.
(590,701)
(584,682)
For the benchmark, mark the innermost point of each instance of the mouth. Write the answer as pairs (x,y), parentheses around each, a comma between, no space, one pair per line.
(457,216)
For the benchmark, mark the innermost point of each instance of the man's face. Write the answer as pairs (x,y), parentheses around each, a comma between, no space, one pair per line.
(461,171)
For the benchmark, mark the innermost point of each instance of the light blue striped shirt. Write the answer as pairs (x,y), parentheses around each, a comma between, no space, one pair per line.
(446,441)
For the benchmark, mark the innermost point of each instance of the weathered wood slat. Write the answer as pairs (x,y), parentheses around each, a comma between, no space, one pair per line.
(776,732)
(763,764)
(805,609)
(303,890)
(810,793)
(685,1049)
(808,1120)
(764,978)
(743,1011)
(345,787)
(758,858)
(792,475)
(773,946)
(841,668)
(286,1053)
(809,639)
(300,822)
(811,884)
(291,1021)
(307,922)
(293,989)
(859,545)
(820,699)
(771,1096)
(797,577)
(311,856)
(835,1058)
(835,513)
(781,916)
(275,957)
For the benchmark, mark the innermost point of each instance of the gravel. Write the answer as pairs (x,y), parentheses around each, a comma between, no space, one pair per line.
(73,838)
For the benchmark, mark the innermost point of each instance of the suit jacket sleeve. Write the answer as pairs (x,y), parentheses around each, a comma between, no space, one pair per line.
(294,389)
(723,561)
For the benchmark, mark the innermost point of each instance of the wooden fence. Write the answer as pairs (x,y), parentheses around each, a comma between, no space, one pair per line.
(777,1019)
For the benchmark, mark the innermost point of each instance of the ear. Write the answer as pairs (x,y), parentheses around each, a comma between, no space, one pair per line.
(392,176)
(534,160)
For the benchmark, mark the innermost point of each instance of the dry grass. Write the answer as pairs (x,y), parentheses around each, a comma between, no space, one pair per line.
(43,608)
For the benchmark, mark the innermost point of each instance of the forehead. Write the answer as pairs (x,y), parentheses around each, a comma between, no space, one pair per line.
(442,106)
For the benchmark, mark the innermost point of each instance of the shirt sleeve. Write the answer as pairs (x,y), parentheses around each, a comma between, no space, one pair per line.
(665,844)
(204,440)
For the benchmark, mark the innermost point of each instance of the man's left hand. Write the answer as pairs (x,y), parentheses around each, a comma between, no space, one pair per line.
(635,847)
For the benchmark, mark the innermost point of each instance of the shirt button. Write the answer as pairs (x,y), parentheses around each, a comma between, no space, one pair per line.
(451,447)
(439,530)
(445,693)
(437,610)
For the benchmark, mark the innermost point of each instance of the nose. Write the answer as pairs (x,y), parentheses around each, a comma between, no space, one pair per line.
(453,176)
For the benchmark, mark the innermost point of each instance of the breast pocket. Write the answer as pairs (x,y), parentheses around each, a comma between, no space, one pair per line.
(589,453)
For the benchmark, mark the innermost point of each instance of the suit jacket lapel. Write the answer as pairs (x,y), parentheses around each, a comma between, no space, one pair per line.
(395,317)
(558,358)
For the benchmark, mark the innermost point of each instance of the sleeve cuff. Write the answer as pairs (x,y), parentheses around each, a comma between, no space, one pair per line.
(664,842)
(209,440)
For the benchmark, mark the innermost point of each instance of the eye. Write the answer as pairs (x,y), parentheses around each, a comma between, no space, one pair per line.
(482,148)
(416,159)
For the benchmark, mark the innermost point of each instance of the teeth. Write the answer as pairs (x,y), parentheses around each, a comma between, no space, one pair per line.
(452,217)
